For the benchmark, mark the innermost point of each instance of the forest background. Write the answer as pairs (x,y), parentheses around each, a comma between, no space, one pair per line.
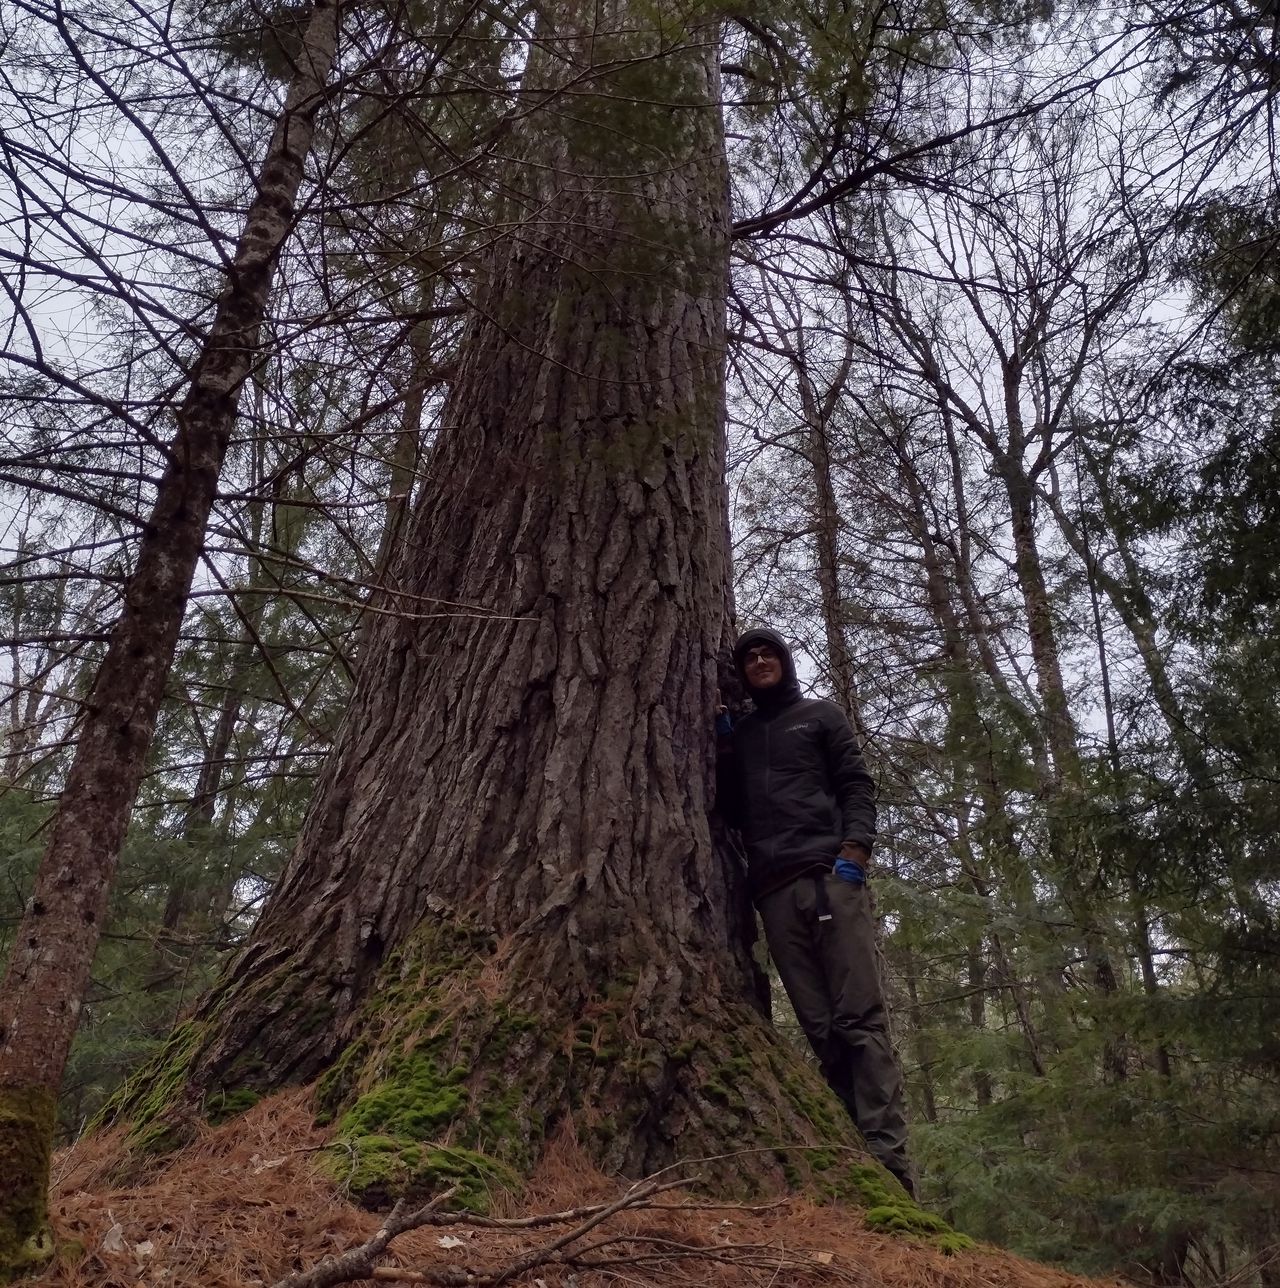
(1003,428)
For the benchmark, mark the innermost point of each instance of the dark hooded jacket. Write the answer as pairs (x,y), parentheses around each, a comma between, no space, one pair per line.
(792,779)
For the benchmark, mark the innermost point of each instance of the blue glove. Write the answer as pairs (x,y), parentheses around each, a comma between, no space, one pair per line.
(851,871)
(724,723)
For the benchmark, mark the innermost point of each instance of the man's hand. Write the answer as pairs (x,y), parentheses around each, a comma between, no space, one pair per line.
(859,854)
(853,863)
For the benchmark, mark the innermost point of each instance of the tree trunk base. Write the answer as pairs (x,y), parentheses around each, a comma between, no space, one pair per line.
(467,1061)
(27,1119)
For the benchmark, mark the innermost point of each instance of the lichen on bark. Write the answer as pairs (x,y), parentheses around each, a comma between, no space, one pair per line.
(27,1119)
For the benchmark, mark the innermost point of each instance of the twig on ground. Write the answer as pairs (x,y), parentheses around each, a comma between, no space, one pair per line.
(633,1197)
(358,1263)
(751,1209)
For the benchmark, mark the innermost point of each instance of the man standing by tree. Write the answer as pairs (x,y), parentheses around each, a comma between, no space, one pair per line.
(792,780)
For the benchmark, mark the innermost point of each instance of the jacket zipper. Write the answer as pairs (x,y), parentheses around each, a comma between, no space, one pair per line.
(768,795)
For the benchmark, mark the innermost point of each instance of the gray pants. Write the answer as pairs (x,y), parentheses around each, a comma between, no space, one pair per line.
(828,968)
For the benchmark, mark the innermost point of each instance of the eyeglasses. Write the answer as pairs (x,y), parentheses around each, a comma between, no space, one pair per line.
(758,656)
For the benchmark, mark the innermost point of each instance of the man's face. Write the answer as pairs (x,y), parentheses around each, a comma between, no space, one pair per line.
(762,664)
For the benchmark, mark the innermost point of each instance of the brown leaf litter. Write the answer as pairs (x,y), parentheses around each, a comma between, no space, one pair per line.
(246,1205)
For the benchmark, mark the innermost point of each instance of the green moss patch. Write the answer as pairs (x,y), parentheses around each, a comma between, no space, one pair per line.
(891,1210)
(155,1089)
(419,1100)
(953,1242)
(27,1120)
(380,1169)
(230,1104)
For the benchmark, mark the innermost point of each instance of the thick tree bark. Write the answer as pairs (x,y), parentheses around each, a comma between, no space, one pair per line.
(505,913)
(54,947)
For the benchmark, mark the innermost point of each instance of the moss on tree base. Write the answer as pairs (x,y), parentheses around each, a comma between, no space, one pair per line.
(27,1120)
(165,1100)
(422,1099)
(467,1057)
(891,1210)
(151,1102)
(457,1079)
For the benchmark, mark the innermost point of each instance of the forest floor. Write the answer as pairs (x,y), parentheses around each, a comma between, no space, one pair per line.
(248,1205)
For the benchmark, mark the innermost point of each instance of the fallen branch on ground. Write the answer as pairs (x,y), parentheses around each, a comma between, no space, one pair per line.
(360,1263)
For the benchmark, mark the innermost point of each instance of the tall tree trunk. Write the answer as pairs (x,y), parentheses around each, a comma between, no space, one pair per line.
(1060,729)
(424,374)
(920,1038)
(1067,788)
(1150,981)
(1128,597)
(505,912)
(196,889)
(1129,600)
(191,885)
(827,538)
(818,410)
(974,617)
(54,947)
(974,748)
(976,973)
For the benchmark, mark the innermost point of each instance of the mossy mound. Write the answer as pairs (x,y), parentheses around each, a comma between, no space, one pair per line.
(427,1098)
(891,1210)
(380,1169)
(838,1175)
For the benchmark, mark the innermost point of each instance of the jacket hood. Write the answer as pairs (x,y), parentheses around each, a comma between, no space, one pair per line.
(787,690)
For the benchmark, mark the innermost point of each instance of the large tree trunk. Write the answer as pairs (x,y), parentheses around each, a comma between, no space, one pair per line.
(505,913)
(54,947)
